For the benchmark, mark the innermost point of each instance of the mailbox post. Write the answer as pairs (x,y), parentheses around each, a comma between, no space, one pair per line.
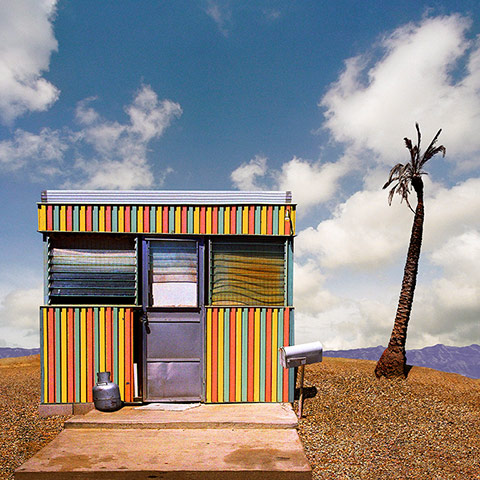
(299,356)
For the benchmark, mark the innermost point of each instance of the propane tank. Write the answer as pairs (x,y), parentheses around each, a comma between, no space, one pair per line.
(106,394)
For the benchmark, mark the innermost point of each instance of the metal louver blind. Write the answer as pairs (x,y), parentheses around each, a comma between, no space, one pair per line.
(173,262)
(92,272)
(247,273)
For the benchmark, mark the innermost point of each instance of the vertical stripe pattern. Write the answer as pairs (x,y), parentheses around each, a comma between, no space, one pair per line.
(80,341)
(242,358)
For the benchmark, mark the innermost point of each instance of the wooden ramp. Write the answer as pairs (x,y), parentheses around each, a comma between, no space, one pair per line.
(244,441)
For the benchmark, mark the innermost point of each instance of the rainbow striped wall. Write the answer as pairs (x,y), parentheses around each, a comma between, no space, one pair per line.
(242,359)
(209,220)
(78,342)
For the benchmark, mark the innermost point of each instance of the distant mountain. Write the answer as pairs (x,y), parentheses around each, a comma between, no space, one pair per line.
(462,360)
(7,352)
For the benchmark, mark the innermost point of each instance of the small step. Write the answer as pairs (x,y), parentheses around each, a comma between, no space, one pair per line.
(245,415)
(170,454)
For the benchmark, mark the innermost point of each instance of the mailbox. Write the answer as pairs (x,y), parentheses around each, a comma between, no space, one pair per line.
(297,355)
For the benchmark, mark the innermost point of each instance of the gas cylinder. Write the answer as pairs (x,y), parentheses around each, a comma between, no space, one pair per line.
(106,394)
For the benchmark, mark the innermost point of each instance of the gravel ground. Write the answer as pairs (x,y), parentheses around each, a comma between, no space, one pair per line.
(22,432)
(358,427)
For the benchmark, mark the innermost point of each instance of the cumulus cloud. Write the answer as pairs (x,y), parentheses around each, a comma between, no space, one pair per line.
(107,154)
(373,103)
(26,44)
(246,176)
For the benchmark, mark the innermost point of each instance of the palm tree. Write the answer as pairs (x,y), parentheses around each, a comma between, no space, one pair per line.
(392,363)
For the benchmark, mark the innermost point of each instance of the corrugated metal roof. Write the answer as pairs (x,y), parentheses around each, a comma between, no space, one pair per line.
(166,197)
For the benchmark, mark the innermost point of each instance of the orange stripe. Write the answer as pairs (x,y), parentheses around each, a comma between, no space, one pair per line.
(51,355)
(146,219)
(165,220)
(215,220)
(232,354)
(251,220)
(214,355)
(202,219)
(286,337)
(127,218)
(268,353)
(71,357)
(287,222)
(233,219)
(128,356)
(250,356)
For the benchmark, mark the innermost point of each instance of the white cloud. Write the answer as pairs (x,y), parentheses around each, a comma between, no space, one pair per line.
(371,106)
(245,176)
(26,44)
(220,13)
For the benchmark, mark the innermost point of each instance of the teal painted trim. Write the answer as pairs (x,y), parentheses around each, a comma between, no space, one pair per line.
(290,272)
(244,353)
(279,366)
(239,220)
(258,218)
(133,219)
(42,356)
(291,376)
(96,352)
(114,218)
(226,355)
(76,217)
(221,217)
(77,355)
(171,220)
(115,345)
(58,357)
(153,219)
(276,209)
(95,218)
(190,220)
(56,217)
(263,331)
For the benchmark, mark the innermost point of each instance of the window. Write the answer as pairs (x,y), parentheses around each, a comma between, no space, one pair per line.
(244,273)
(92,268)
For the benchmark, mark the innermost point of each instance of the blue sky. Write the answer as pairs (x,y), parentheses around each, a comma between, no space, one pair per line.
(313,97)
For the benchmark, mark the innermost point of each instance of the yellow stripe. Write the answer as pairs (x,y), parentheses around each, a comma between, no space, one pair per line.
(238,364)
(45,356)
(121,219)
(274,354)
(281,221)
(140,219)
(63,319)
(263,222)
(83,356)
(101,219)
(226,220)
(208,221)
(293,214)
(63,218)
(220,355)
(245,220)
(209,356)
(196,220)
(178,219)
(121,352)
(102,340)
(158,223)
(256,362)
(42,217)
(82,218)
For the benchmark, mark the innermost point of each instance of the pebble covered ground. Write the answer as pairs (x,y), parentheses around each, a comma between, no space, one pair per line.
(22,431)
(359,427)
(356,427)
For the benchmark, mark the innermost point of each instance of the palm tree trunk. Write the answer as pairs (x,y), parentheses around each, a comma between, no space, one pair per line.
(392,363)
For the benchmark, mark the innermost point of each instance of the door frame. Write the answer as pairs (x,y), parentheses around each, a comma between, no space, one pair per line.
(200,308)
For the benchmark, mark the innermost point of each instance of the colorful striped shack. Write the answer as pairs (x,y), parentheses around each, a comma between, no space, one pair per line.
(182,296)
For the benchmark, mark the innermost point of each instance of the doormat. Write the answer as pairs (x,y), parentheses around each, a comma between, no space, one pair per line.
(177,407)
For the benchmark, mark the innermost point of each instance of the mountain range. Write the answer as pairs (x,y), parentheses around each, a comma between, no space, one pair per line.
(462,360)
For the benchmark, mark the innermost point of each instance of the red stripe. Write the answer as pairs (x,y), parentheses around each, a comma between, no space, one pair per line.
(109,340)
(49,217)
(202,219)
(287,222)
(232,354)
(128,355)
(126,217)
(165,220)
(269,220)
(251,220)
(108,218)
(146,219)
(71,357)
(268,363)
(215,220)
(286,342)
(233,219)
(88,219)
(184,220)
(250,356)
(214,355)
(69,218)
(51,355)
